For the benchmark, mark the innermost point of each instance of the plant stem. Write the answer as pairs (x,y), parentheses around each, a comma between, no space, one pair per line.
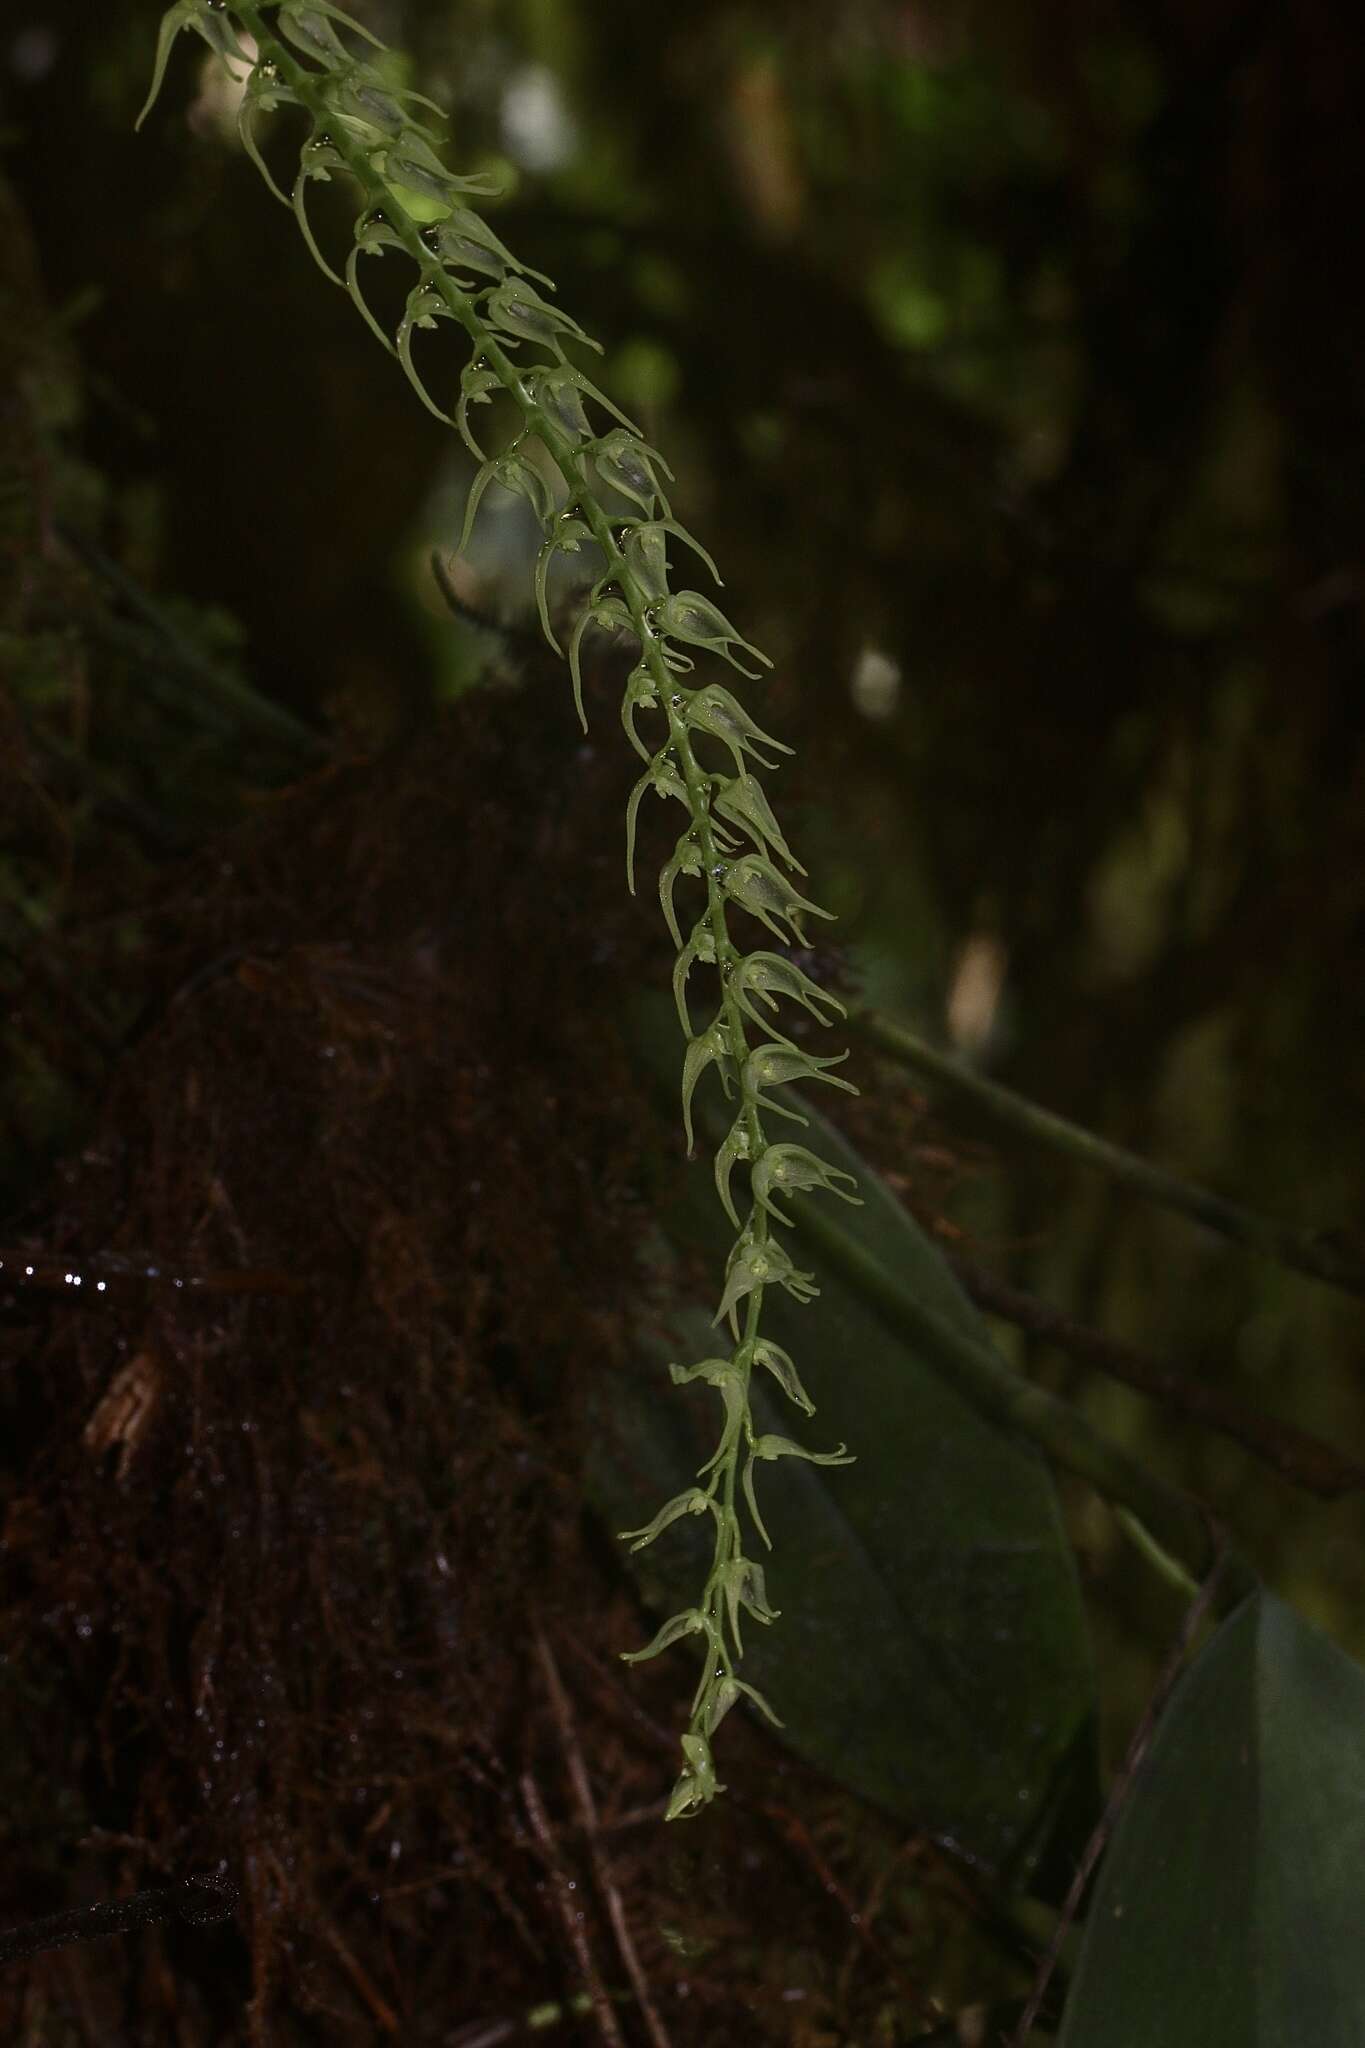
(1312,1252)
(1301,1459)
(1005,1397)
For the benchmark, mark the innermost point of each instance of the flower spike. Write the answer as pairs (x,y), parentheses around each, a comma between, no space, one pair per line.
(594,485)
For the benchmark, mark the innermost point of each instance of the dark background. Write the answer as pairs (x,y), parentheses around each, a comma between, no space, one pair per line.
(1012,365)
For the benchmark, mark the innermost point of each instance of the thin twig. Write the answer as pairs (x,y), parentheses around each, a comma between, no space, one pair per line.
(381,2011)
(982,1377)
(573,1924)
(1317,1253)
(800,1838)
(1123,1784)
(201,1900)
(1303,1460)
(587,1813)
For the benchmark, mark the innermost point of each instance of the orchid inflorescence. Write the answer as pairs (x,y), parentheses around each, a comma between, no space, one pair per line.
(303,56)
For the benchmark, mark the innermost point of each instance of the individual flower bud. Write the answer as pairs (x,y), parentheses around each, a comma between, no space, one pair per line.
(716,711)
(712,1045)
(610,616)
(735,1399)
(743,799)
(515,473)
(265,93)
(756,885)
(309,28)
(687,860)
(641,694)
(697,1785)
(794,1166)
(627,464)
(719,1703)
(693,1502)
(569,534)
(374,233)
(424,308)
(774,1447)
(778,1362)
(516,309)
(760,1264)
(738,1145)
(691,1622)
(742,1583)
(559,392)
(767,976)
(663,778)
(689,616)
(715,1371)
(775,1065)
(477,385)
(700,946)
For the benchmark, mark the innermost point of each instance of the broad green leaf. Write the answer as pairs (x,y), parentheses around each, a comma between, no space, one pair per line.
(932,1652)
(1228,1908)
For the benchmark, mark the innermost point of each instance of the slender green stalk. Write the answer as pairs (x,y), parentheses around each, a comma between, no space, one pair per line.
(1176,1522)
(1304,1250)
(601,487)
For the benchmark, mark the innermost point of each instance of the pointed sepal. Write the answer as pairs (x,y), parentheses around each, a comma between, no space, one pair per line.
(713,1045)
(778,1362)
(737,1145)
(691,1622)
(569,534)
(611,616)
(693,1502)
(687,860)
(700,946)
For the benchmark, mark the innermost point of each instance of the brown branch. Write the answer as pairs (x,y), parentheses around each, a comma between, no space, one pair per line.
(382,2013)
(1303,1460)
(800,1839)
(1322,1253)
(573,1924)
(587,1813)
